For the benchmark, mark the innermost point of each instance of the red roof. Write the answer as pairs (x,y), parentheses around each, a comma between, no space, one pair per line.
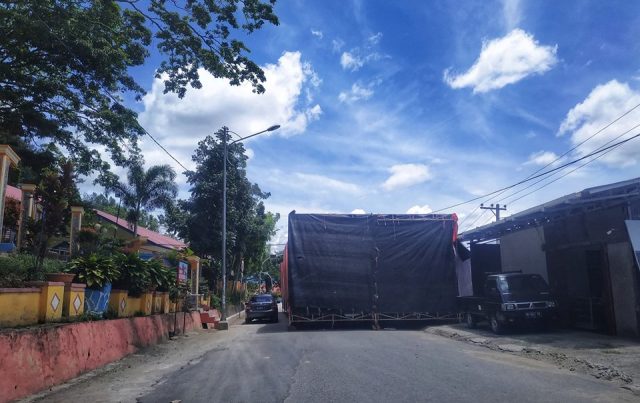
(153,237)
(13,193)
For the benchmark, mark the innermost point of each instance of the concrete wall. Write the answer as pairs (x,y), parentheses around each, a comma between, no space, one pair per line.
(623,287)
(19,306)
(36,359)
(522,250)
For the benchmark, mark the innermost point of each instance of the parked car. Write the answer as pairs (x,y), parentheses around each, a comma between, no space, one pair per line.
(510,299)
(261,306)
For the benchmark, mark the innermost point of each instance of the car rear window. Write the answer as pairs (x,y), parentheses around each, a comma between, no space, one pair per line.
(262,298)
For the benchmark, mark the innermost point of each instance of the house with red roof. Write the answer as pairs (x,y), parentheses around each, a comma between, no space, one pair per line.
(156,242)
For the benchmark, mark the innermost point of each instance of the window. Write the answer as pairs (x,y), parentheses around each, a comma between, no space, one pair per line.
(262,298)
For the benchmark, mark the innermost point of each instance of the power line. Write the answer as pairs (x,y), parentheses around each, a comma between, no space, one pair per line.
(476,220)
(571,171)
(543,179)
(163,149)
(541,174)
(558,158)
(562,176)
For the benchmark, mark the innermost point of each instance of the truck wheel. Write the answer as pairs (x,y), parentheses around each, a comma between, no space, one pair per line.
(496,326)
(470,321)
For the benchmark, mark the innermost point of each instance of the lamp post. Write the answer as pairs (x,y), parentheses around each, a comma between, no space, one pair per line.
(225,134)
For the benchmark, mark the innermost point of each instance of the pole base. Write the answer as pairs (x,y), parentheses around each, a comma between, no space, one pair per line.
(222,325)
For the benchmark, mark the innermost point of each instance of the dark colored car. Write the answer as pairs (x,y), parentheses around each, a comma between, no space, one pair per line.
(261,306)
(510,299)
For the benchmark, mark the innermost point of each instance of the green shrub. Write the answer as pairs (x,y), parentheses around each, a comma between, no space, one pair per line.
(135,275)
(215,301)
(16,269)
(161,276)
(12,274)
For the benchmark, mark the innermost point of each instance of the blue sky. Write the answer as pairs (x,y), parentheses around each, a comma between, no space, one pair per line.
(395,107)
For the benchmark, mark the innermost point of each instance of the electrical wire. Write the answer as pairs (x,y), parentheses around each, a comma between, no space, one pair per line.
(540,174)
(164,149)
(560,156)
(571,171)
(555,173)
(562,176)
(594,154)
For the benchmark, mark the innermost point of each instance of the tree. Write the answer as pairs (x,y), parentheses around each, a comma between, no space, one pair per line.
(55,193)
(198,220)
(65,64)
(150,189)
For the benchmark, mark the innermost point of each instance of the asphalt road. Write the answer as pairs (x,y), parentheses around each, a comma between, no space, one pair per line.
(266,363)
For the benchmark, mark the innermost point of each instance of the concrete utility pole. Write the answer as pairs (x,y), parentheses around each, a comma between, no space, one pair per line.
(495,209)
(225,133)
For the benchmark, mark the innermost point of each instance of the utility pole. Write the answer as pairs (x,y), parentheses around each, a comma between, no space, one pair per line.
(225,133)
(223,325)
(495,209)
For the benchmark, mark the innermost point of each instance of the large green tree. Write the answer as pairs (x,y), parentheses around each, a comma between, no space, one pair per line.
(65,64)
(145,190)
(198,220)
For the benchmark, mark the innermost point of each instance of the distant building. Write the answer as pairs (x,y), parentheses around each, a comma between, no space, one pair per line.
(587,245)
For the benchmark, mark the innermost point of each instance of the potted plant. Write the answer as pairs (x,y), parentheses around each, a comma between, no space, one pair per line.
(98,273)
(135,274)
(161,277)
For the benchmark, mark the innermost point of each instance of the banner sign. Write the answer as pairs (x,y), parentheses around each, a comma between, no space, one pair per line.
(183,271)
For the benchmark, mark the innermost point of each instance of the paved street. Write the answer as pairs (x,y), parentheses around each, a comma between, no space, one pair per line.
(265,363)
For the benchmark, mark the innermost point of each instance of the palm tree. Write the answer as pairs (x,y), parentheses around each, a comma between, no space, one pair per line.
(149,189)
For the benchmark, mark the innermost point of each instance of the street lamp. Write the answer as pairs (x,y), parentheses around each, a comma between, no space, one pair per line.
(225,133)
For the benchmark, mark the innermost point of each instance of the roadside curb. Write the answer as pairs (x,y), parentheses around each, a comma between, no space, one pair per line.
(236,317)
(560,359)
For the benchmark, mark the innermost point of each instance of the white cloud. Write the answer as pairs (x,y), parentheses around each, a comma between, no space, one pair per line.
(354,59)
(405,175)
(337,45)
(512,13)
(602,106)
(505,61)
(542,158)
(350,61)
(317,34)
(417,209)
(179,124)
(311,75)
(375,39)
(323,184)
(356,93)
(358,211)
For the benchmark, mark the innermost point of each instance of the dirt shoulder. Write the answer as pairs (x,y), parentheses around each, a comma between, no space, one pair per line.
(139,373)
(603,357)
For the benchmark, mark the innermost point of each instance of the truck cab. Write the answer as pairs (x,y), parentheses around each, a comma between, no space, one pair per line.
(510,299)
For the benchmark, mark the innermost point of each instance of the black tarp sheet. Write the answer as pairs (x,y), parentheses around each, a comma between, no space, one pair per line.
(372,263)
